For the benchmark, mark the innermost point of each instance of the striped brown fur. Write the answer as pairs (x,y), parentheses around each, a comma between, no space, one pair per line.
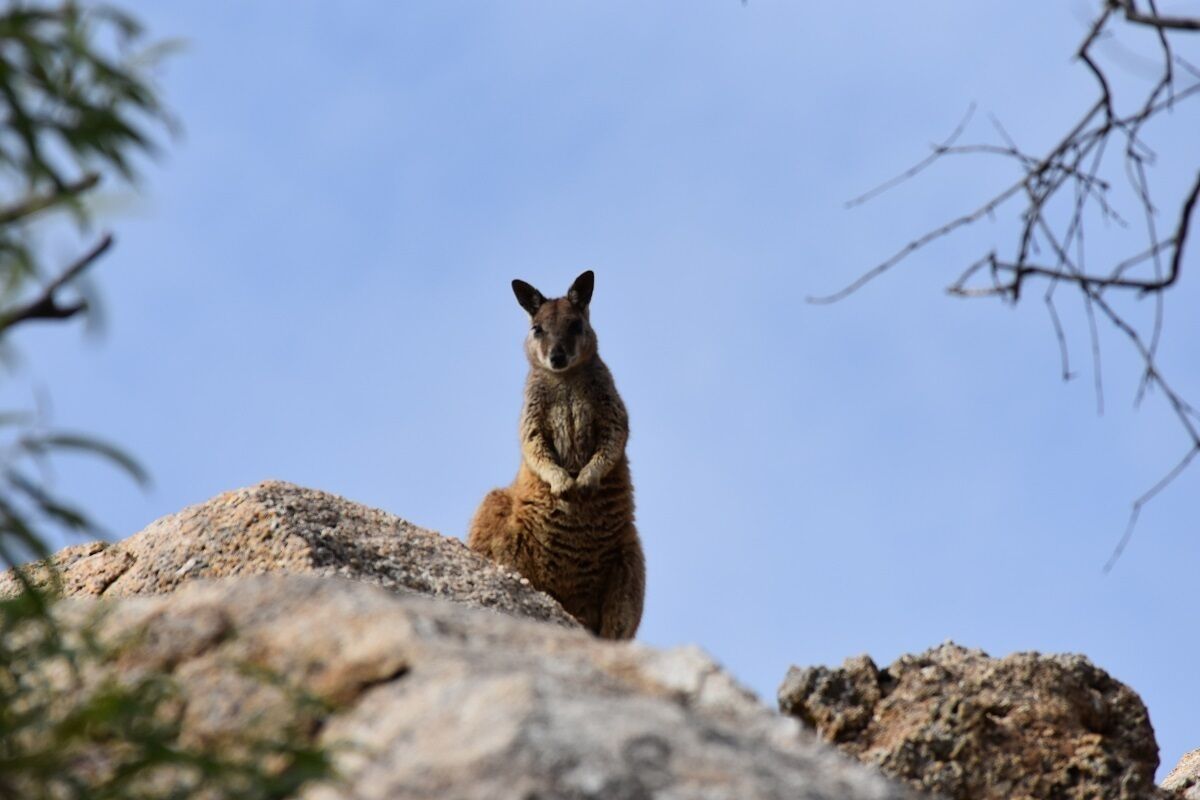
(566,522)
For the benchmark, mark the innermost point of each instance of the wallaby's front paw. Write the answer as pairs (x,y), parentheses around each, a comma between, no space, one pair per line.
(588,478)
(561,484)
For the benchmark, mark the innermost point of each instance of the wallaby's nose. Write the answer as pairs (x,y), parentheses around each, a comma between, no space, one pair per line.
(558,358)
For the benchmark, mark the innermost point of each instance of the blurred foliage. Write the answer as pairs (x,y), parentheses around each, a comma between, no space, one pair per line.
(77,105)
(72,727)
(77,102)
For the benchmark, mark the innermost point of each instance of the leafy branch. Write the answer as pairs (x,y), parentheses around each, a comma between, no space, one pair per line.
(76,103)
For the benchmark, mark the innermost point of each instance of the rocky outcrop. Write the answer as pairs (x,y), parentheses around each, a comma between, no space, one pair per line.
(434,675)
(1184,779)
(957,723)
(413,695)
(425,698)
(279,527)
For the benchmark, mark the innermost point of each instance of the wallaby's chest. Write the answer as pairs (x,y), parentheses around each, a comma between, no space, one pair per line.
(569,422)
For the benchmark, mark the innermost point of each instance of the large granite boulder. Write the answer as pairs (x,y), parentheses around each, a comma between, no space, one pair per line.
(279,527)
(422,698)
(954,722)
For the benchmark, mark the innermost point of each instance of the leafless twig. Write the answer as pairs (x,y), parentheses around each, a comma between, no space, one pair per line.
(1051,248)
(1154,19)
(46,305)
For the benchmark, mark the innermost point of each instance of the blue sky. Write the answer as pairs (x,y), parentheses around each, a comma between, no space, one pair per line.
(313,285)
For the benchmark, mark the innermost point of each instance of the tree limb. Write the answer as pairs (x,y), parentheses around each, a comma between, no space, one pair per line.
(1062,191)
(46,304)
(1155,20)
(40,202)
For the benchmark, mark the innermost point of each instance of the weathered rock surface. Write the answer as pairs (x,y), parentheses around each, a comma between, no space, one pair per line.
(955,722)
(279,527)
(426,698)
(1184,779)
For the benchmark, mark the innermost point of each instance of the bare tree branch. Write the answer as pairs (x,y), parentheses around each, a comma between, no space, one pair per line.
(1155,20)
(1181,234)
(1050,245)
(911,172)
(46,305)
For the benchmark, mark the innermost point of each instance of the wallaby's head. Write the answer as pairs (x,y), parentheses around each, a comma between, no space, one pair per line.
(560,335)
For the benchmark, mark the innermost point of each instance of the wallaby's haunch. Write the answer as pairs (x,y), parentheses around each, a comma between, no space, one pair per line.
(566,522)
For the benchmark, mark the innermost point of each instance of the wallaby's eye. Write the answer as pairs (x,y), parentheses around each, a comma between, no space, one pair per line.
(537,331)
(576,328)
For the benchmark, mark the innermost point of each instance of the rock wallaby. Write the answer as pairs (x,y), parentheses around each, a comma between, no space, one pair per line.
(566,522)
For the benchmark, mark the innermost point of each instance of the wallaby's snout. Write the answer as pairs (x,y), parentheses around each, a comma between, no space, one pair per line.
(560,335)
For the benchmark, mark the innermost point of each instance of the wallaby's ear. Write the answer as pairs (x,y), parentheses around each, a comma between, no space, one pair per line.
(580,293)
(529,298)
